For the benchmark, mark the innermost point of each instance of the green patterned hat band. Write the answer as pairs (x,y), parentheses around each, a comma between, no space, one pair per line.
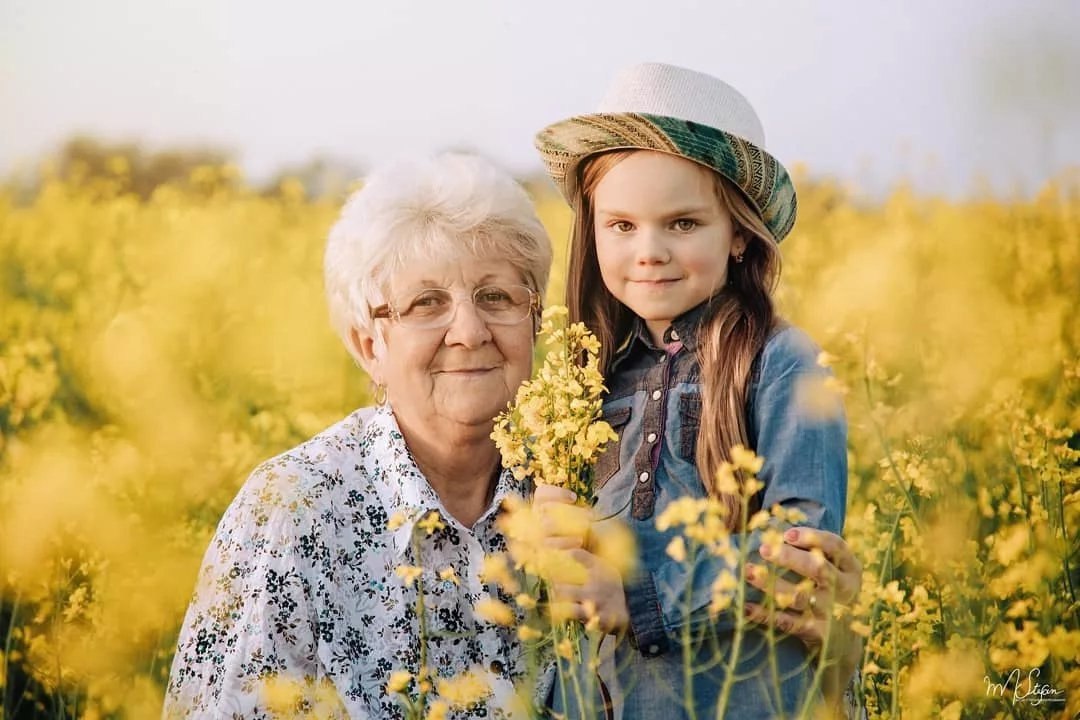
(689,127)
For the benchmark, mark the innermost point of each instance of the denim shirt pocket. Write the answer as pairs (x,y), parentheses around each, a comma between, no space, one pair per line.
(689,423)
(608,462)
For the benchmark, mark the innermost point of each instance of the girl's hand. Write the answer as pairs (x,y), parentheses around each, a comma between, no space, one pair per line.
(564,523)
(566,527)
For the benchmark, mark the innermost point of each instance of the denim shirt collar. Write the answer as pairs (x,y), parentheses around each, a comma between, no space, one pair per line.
(683,329)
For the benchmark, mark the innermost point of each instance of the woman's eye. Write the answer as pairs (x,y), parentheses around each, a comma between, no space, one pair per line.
(685,224)
(493,297)
(428,300)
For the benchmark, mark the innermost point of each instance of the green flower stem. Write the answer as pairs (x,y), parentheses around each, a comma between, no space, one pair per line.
(687,642)
(6,669)
(740,614)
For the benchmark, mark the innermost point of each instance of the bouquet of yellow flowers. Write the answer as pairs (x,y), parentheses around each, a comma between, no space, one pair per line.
(551,433)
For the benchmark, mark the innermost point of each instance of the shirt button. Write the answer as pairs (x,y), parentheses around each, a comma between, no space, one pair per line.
(656,394)
(643,477)
(654,649)
(496,666)
(652,437)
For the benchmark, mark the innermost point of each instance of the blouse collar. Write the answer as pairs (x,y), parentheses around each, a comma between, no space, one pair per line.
(404,491)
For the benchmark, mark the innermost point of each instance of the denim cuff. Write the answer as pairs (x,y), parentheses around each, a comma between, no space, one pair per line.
(647,632)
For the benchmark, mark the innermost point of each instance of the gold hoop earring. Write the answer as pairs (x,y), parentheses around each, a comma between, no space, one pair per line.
(380,395)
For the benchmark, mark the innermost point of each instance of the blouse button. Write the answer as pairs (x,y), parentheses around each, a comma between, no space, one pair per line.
(652,437)
(656,394)
(496,666)
(643,477)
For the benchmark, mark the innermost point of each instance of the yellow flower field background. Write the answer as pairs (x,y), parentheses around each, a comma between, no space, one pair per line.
(154,349)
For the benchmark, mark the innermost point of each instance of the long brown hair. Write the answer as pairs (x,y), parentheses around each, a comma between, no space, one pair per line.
(737,326)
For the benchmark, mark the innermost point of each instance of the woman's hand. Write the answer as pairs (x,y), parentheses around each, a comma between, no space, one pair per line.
(600,593)
(827,560)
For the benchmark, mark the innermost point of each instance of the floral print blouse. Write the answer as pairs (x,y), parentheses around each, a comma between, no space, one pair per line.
(299,593)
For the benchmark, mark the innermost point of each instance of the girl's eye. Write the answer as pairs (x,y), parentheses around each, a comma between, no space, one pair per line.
(622,226)
(685,224)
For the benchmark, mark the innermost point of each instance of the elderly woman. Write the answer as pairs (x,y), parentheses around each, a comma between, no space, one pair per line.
(350,562)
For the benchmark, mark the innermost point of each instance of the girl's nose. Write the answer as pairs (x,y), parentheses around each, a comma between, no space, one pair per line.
(652,248)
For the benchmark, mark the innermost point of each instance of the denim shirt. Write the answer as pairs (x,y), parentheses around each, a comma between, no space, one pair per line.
(654,400)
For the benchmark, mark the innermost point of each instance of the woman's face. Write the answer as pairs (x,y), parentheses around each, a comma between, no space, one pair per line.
(464,373)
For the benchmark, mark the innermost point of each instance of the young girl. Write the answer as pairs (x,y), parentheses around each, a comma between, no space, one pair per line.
(679,210)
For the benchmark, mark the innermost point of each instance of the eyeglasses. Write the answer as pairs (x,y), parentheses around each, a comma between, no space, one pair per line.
(435,307)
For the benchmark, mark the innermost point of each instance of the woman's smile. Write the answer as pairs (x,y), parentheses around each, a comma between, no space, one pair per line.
(466,372)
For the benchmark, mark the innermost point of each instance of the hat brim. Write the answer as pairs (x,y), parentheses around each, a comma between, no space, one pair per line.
(761,177)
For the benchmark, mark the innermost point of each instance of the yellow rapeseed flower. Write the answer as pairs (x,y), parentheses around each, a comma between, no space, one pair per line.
(396,520)
(527,633)
(496,569)
(676,549)
(464,689)
(494,611)
(409,573)
(745,459)
(681,511)
(525,601)
(431,522)
(615,543)
(773,541)
(726,483)
(438,710)
(398,682)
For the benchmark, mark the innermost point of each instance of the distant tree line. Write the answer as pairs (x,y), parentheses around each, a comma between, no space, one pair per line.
(145,168)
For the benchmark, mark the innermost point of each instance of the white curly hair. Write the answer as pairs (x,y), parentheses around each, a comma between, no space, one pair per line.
(447,207)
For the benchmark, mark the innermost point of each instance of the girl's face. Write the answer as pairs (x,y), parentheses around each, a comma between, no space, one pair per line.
(662,237)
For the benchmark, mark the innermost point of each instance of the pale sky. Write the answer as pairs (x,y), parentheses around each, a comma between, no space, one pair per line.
(871,92)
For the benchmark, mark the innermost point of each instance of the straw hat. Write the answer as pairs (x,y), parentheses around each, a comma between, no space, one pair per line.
(686,113)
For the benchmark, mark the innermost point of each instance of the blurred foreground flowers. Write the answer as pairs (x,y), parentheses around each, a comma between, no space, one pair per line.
(551,435)
(153,351)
